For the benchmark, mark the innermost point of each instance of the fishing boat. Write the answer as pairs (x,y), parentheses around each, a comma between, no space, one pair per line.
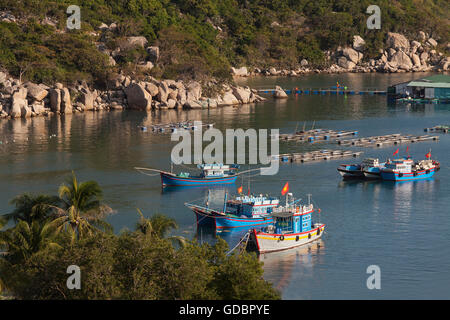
(371,168)
(210,174)
(239,212)
(351,171)
(368,168)
(408,169)
(292,227)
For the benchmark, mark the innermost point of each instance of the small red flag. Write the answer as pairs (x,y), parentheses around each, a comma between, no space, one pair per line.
(239,190)
(428,155)
(396,152)
(407,149)
(248,192)
(285,189)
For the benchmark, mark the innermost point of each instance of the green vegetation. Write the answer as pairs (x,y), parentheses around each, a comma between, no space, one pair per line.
(52,233)
(259,33)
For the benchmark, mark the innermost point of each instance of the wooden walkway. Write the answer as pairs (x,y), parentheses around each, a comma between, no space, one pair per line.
(316,135)
(387,140)
(326,91)
(317,155)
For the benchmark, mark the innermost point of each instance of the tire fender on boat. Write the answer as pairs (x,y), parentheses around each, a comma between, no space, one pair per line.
(281,238)
(318,231)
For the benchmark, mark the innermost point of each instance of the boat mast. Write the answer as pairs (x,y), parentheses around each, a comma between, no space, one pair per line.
(225,202)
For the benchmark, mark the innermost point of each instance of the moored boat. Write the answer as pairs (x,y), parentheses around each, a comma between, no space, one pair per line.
(350,171)
(408,169)
(292,227)
(210,174)
(372,168)
(239,212)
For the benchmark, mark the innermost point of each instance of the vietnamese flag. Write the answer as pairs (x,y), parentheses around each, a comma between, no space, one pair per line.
(239,190)
(285,189)
(396,152)
(428,155)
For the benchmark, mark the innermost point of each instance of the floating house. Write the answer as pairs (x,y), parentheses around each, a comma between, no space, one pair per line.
(430,88)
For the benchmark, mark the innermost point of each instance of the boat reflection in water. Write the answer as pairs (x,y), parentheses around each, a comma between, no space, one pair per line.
(281,266)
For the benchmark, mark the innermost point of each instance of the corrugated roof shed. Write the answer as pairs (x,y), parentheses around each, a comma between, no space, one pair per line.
(437,81)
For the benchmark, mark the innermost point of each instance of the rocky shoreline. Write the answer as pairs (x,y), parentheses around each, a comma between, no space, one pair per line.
(29,99)
(400,55)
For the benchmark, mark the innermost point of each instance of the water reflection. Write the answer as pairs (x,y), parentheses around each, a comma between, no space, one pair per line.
(280,267)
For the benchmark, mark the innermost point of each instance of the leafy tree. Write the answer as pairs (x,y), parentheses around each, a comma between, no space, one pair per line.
(82,211)
(31,208)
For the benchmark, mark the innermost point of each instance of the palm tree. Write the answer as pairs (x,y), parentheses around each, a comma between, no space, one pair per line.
(20,242)
(82,211)
(31,207)
(158,226)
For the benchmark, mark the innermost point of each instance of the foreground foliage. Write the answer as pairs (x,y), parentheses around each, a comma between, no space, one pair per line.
(141,264)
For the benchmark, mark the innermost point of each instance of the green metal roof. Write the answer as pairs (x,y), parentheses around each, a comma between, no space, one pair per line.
(437,81)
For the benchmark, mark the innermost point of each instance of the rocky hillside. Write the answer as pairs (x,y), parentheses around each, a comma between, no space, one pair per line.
(126,52)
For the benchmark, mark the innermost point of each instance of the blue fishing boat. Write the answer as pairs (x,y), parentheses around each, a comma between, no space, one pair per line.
(292,227)
(371,168)
(240,212)
(351,171)
(368,168)
(408,169)
(210,174)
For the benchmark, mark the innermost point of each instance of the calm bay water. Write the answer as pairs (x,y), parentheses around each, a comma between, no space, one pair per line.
(403,228)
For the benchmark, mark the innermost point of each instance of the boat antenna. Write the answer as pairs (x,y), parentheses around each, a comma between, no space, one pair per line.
(314,122)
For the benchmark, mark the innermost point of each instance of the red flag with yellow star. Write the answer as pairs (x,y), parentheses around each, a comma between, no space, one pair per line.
(285,189)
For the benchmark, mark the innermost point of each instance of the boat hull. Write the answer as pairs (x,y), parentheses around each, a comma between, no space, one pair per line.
(267,242)
(394,176)
(351,173)
(372,173)
(221,222)
(168,179)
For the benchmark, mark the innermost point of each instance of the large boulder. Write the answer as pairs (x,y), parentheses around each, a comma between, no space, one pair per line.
(66,104)
(163,92)
(36,92)
(432,42)
(397,41)
(242,94)
(19,104)
(241,72)
(401,61)
(153,53)
(415,59)
(152,88)
(352,55)
(228,99)
(137,41)
(55,100)
(194,91)
(87,99)
(279,93)
(138,97)
(358,43)
(346,64)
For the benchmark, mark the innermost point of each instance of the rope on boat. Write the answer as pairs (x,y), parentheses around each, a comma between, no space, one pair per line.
(244,238)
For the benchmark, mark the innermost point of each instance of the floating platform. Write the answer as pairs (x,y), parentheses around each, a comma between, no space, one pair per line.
(318,155)
(174,127)
(316,91)
(316,135)
(440,128)
(387,140)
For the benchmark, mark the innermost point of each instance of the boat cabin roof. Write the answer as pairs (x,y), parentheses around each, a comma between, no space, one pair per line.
(217,166)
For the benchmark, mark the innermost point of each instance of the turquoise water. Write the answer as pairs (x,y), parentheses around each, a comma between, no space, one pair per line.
(403,228)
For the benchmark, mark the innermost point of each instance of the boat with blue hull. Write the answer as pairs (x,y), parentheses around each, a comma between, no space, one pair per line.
(368,168)
(408,169)
(292,227)
(210,174)
(240,212)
